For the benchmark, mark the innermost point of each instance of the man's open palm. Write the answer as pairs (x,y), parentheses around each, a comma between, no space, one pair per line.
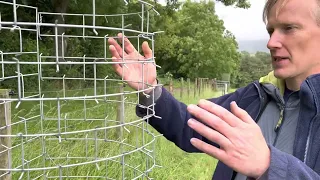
(137,74)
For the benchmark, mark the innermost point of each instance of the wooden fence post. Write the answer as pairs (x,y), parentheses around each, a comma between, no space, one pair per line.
(200,86)
(205,85)
(188,88)
(5,142)
(225,88)
(171,86)
(181,89)
(195,87)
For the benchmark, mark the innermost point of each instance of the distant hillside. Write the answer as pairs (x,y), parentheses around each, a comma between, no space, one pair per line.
(253,46)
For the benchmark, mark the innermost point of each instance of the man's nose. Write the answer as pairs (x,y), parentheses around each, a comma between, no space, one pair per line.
(275,41)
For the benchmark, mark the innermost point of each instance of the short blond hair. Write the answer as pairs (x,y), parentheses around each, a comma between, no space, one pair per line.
(270,3)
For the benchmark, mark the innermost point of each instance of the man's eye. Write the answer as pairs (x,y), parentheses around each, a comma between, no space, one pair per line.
(288,28)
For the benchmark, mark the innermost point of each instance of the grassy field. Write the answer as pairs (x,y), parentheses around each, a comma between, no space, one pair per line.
(94,142)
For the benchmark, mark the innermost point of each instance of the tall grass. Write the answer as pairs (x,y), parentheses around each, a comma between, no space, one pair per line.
(56,150)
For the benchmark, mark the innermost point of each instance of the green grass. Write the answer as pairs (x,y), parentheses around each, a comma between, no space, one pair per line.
(100,143)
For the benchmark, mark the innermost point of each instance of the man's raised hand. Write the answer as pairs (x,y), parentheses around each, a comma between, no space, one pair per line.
(134,73)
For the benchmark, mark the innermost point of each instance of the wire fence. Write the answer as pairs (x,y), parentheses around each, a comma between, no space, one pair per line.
(72,133)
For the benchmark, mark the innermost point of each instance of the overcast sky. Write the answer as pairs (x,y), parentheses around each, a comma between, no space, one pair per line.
(245,24)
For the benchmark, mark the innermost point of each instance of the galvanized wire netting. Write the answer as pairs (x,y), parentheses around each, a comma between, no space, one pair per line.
(72,125)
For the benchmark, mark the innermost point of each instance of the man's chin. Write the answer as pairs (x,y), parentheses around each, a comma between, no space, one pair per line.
(280,74)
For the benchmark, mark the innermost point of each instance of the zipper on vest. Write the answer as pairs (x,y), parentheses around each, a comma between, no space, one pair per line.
(307,149)
(276,129)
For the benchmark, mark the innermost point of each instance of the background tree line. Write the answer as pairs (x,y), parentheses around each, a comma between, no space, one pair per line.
(195,42)
(251,67)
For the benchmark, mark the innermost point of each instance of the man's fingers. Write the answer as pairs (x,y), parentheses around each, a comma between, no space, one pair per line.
(240,113)
(209,149)
(209,133)
(146,50)
(116,58)
(118,48)
(117,67)
(128,47)
(114,52)
(219,111)
(211,120)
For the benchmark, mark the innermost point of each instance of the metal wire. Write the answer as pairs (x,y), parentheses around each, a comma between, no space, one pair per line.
(72,133)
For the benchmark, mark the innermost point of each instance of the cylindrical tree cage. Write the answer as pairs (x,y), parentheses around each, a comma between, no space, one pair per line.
(65,114)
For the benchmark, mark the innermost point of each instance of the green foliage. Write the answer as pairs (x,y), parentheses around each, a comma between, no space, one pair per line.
(196,44)
(239,3)
(252,67)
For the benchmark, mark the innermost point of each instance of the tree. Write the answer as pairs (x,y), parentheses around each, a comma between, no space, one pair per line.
(196,43)
(239,3)
(252,67)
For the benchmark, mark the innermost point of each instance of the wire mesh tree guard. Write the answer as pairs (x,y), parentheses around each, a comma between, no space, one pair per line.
(68,133)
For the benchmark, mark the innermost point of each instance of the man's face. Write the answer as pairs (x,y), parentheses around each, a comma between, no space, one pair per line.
(294,39)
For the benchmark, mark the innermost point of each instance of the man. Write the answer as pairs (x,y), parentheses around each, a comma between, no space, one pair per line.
(266,130)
